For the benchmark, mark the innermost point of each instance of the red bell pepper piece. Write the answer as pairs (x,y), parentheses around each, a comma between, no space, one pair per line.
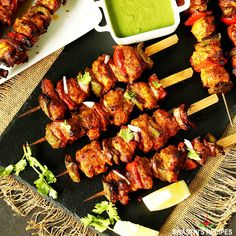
(118,58)
(190,164)
(194,17)
(228,20)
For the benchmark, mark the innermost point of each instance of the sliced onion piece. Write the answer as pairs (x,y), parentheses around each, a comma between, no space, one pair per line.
(135,129)
(89,104)
(107,58)
(65,87)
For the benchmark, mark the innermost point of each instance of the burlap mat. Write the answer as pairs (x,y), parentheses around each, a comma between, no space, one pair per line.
(213,197)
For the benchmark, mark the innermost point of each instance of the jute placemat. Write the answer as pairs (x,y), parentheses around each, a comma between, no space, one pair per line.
(213,190)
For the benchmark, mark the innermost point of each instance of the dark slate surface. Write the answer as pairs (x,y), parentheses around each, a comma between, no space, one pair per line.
(75,58)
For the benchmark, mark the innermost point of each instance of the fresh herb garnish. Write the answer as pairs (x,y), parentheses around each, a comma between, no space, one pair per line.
(126,134)
(98,222)
(156,84)
(84,79)
(129,95)
(46,177)
(192,154)
(109,208)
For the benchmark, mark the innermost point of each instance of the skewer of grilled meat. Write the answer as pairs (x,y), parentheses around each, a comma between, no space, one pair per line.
(208,57)
(26,32)
(165,165)
(101,119)
(56,103)
(118,104)
(93,120)
(151,133)
(101,79)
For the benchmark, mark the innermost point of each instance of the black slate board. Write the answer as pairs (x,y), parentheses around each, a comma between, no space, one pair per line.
(75,58)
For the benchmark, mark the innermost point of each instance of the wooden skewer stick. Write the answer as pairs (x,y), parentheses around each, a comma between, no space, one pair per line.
(30,111)
(41,140)
(227,141)
(99,194)
(227,109)
(202,104)
(161,45)
(177,77)
(150,50)
(224,142)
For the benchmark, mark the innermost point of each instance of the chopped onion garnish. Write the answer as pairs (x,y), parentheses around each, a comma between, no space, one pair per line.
(65,87)
(188,144)
(89,104)
(107,58)
(121,176)
(134,128)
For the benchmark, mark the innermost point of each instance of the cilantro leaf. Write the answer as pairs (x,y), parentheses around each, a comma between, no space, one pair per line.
(192,154)
(110,209)
(129,95)
(44,188)
(6,171)
(126,134)
(84,79)
(156,84)
(98,222)
(20,166)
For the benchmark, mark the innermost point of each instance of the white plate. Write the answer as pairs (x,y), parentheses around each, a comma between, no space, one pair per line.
(72,21)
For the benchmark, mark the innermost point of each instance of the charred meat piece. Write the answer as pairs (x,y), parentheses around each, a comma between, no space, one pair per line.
(126,149)
(167,164)
(90,121)
(203,27)
(27,28)
(39,16)
(103,75)
(50,102)
(8,9)
(166,122)
(216,79)
(198,5)
(116,188)
(181,116)
(117,106)
(232,33)
(156,87)
(59,133)
(53,6)
(75,95)
(152,136)
(228,7)
(20,38)
(12,52)
(128,64)
(55,109)
(91,159)
(110,151)
(143,93)
(207,53)
(72,168)
(139,174)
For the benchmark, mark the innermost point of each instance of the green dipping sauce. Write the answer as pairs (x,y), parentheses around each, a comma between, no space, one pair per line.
(130,17)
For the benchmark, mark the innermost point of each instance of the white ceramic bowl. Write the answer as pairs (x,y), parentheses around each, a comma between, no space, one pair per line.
(142,36)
